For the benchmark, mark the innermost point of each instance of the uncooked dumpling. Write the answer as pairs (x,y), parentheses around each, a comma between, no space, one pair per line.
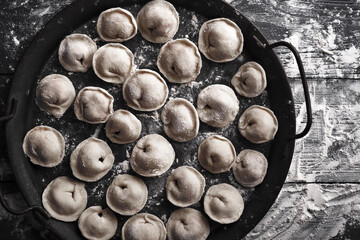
(143,226)
(44,145)
(258,124)
(65,199)
(76,52)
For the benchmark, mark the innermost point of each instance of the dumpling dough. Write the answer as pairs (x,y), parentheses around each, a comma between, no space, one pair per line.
(181,121)
(185,186)
(180,61)
(123,127)
(93,105)
(250,168)
(143,226)
(145,90)
(152,156)
(76,52)
(65,199)
(127,194)
(116,25)
(217,105)
(91,160)
(216,154)
(250,80)
(44,145)
(158,21)
(258,124)
(220,40)
(96,223)
(223,203)
(54,94)
(187,223)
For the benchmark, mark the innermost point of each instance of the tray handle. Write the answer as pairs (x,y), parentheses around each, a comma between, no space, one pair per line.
(13,106)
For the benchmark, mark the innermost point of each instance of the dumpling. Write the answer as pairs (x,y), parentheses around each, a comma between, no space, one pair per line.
(116,25)
(258,124)
(44,145)
(217,105)
(158,21)
(185,186)
(250,168)
(54,94)
(93,105)
(143,226)
(250,80)
(65,199)
(180,61)
(145,90)
(181,121)
(220,40)
(96,223)
(76,52)
(91,160)
(123,127)
(216,154)
(127,194)
(223,203)
(152,156)
(187,223)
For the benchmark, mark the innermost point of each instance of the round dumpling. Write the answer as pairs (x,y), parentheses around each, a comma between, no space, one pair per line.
(180,61)
(44,145)
(158,21)
(127,194)
(223,203)
(217,105)
(152,156)
(65,199)
(143,226)
(258,124)
(96,223)
(76,52)
(181,121)
(54,94)
(220,40)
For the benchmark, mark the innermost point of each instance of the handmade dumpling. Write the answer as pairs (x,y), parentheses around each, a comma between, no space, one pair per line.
(65,199)
(217,105)
(143,226)
(220,40)
(76,52)
(44,145)
(258,124)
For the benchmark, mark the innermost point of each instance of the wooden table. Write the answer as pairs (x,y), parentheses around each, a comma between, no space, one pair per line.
(321,196)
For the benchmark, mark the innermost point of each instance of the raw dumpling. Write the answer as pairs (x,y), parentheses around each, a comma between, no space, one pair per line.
(145,90)
(54,94)
(96,223)
(143,226)
(65,199)
(258,124)
(181,121)
(158,21)
(185,186)
(187,223)
(116,25)
(152,156)
(44,145)
(216,154)
(76,52)
(91,160)
(127,194)
(123,127)
(250,80)
(223,203)
(220,40)
(180,61)
(217,105)
(93,105)
(250,168)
